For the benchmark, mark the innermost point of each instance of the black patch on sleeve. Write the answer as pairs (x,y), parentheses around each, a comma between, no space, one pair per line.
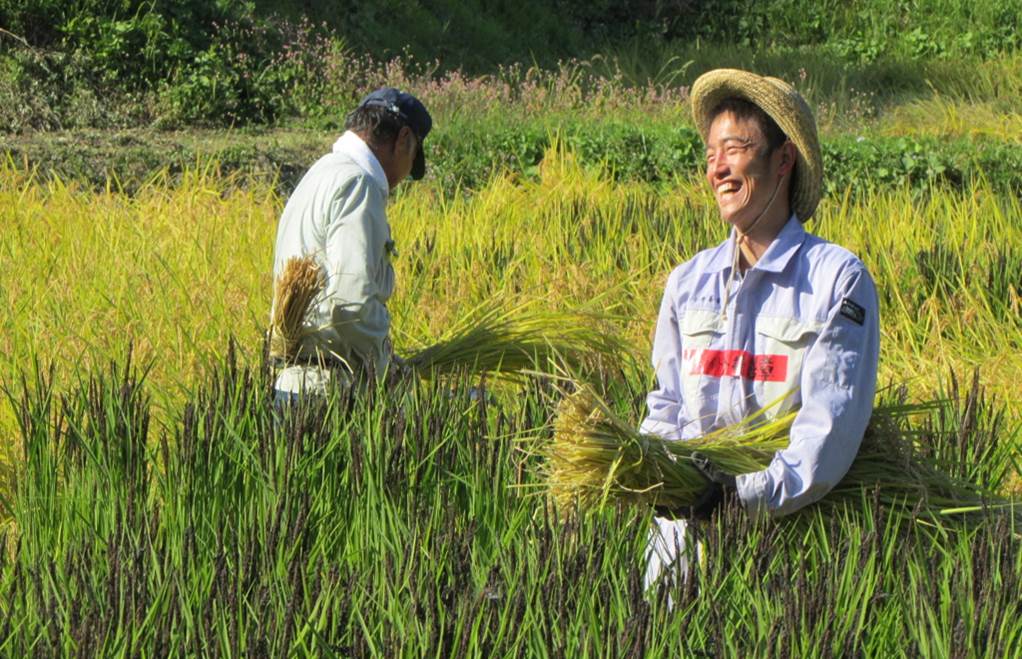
(853,311)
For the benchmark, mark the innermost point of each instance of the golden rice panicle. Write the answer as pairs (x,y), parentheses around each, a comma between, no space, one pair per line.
(596,458)
(294,292)
(576,463)
(503,341)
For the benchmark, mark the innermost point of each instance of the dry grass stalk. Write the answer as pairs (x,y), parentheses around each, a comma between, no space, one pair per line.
(596,458)
(294,293)
(497,340)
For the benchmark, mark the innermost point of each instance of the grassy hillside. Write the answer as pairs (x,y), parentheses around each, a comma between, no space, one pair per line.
(93,63)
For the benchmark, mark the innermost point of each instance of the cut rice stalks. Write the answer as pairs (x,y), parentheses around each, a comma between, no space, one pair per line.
(294,292)
(508,341)
(596,458)
(488,339)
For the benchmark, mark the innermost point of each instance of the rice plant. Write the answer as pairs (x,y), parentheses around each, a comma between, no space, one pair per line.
(508,341)
(398,522)
(596,458)
(82,284)
(173,510)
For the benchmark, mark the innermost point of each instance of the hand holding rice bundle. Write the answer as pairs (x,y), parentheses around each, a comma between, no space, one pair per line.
(597,459)
(487,339)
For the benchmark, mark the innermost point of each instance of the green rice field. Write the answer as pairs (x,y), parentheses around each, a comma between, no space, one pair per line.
(154,503)
(157,508)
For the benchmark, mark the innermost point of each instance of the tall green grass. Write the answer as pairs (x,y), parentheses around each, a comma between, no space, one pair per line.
(400,522)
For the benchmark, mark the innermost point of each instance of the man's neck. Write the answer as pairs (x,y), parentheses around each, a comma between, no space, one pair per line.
(366,155)
(757,241)
(380,153)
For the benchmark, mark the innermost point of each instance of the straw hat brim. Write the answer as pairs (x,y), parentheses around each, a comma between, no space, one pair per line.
(786,107)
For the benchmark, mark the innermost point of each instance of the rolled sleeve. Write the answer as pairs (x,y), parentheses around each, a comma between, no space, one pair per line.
(838,383)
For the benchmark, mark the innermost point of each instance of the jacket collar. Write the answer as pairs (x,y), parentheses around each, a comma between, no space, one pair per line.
(780,252)
(777,256)
(351,145)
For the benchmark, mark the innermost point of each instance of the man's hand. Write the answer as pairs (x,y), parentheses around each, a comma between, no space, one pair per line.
(721,487)
(712,472)
(398,370)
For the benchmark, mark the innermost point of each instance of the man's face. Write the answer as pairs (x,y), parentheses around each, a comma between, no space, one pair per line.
(406,145)
(742,175)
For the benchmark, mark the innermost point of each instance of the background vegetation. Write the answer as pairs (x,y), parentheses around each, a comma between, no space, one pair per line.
(904,94)
(232,62)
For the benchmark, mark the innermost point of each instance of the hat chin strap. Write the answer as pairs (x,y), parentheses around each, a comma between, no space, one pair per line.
(741,239)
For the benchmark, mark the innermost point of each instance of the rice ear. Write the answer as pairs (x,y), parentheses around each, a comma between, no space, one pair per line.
(596,458)
(294,293)
(504,341)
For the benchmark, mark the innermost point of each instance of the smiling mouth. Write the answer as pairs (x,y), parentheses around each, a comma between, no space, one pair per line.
(727,188)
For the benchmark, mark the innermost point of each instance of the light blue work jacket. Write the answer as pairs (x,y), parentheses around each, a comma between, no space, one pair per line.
(802,323)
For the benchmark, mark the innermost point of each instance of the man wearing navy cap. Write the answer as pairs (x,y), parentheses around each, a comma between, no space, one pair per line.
(337,214)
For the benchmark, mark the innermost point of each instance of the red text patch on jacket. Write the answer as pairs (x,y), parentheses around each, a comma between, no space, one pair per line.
(740,363)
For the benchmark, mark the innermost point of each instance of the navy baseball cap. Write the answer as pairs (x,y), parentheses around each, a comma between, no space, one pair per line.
(412,112)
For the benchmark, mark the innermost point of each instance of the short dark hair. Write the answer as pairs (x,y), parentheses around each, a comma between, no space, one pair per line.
(743,109)
(377,123)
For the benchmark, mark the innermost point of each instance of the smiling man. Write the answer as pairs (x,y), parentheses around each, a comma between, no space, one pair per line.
(772,318)
(337,214)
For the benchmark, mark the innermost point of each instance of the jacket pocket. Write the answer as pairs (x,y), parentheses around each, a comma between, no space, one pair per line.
(781,346)
(701,335)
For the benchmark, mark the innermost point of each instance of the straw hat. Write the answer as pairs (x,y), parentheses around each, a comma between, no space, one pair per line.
(786,107)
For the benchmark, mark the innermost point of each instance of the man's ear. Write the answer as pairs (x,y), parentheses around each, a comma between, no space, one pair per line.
(406,138)
(788,155)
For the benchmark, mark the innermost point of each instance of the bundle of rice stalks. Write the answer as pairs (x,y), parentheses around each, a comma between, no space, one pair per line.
(294,292)
(505,341)
(597,458)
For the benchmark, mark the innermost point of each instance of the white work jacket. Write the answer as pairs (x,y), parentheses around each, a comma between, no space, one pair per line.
(337,213)
(802,321)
